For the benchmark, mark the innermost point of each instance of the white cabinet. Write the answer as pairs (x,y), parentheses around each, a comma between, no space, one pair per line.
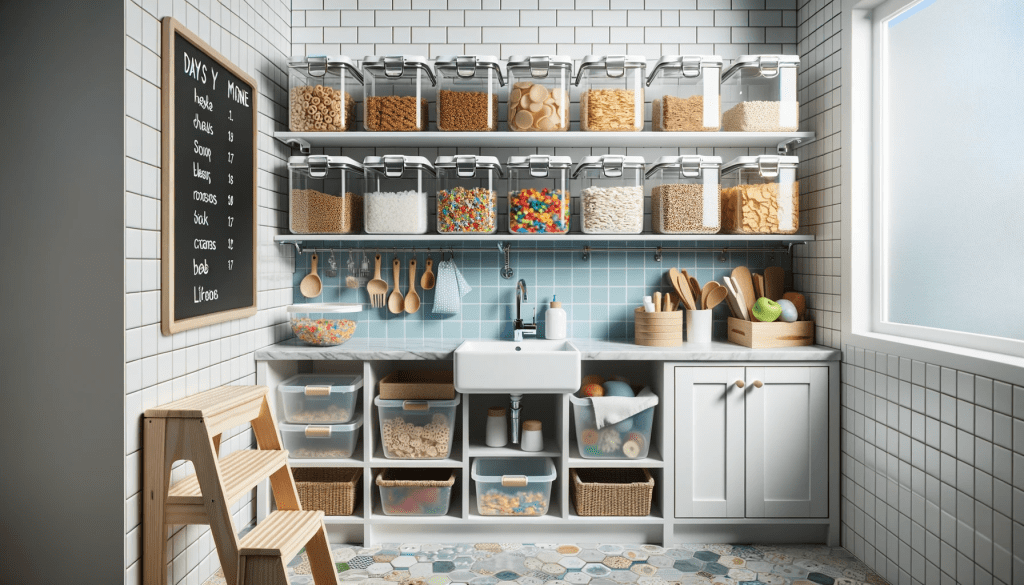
(751,442)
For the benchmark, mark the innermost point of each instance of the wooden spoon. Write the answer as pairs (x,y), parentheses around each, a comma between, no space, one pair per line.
(717,296)
(683,288)
(396,302)
(676,279)
(744,287)
(428,277)
(706,291)
(412,298)
(377,288)
(311,286)
(774,282)
(695,289)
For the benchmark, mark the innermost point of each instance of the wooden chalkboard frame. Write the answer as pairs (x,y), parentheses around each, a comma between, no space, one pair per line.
(169,324)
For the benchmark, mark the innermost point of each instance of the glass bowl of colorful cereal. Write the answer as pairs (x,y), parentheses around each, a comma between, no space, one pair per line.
(323,324)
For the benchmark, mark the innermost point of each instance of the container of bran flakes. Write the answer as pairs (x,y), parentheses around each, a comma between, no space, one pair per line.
(685,94)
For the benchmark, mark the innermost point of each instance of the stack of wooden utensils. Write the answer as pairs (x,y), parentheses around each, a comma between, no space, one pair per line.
(689,293)
(744,288)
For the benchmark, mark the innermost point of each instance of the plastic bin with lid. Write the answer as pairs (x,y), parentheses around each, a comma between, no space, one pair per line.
(759,94)
(325,195)
(611,193)
(398,89)
(323,324)
(685,93)
(513,486)
(539,93)
(322,93)
(760,195)
(467,195)
(336,441)
(396,193)
(538,194)
(417,429)
(320,398)
(612,93)
(415,492)
(685,192)
(629,438)
(468,92)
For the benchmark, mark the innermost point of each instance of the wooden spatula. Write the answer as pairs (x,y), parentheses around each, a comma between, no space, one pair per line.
(744,288)
(709,287)
(736,297)
(799,302)
(758,281)
(717,296)
(774,282)
(695,289)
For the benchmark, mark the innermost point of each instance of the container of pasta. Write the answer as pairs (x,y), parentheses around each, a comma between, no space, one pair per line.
(417,429)
(513,486)
(759,94)
(325,195)
(760,195)
(538,100)
(685,194)
(612,93)
(322,93)
(467,94)
(398,89)
(685,96)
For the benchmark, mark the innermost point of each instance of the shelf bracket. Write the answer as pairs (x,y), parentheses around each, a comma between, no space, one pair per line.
(657,254)
(299,143)
(586,253)
(506,249)
(789,247)
(786,147)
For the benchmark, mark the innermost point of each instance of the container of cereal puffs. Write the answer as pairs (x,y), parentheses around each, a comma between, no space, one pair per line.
(760,195)
(417,429)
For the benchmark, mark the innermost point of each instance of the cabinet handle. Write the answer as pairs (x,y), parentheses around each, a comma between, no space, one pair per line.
(738,383)
(758,383)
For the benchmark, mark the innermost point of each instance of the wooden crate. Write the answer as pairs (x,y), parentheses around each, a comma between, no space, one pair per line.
(418,385)
(777,334)
(658,329)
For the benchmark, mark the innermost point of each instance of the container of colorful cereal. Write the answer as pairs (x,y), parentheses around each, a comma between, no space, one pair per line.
(323,324)
(513,486)
(467,196)
(538,194)
(415,492)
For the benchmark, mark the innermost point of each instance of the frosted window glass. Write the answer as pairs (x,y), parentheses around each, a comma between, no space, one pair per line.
(953,167)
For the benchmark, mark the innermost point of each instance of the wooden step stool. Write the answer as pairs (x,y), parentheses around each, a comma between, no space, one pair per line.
(190,429)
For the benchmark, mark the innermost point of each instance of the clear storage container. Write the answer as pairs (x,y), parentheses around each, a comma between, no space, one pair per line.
(468,89)
(538,194)
(397,89)
(626,439)
(321,441)
(320,398)
(685,194)
(416,492)
(323,324)
(759,94)
(685,95)
(396,193)
(325,195)
(611,192)
(513,486)
(538,100)
(612,93)
(417,429)
(322,93)
(467,196)
(760,195)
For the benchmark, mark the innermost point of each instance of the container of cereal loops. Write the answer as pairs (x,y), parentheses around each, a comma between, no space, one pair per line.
(415,492)
(323,324)
(467,195)
(685,93)
(612,93)
(760,195)
(685,194)
(538,194)
(538,100)
(322,93)
(320,398)
(321,441)
(611,193)
(513,486)
(467,95)
(759,94)
(398,89)
(325,195)
(396,193)
(417,429)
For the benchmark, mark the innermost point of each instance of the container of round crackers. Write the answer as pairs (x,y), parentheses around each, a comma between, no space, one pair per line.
(538,100)
(417,429)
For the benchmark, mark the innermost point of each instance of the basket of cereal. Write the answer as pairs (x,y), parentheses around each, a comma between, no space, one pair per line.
(323,324)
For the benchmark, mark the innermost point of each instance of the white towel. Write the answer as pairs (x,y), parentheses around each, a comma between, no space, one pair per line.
(609,410)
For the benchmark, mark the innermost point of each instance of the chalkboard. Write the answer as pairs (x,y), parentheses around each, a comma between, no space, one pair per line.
(208,157)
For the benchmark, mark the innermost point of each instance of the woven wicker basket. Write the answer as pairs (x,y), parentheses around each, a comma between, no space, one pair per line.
(612,492)
(335,490)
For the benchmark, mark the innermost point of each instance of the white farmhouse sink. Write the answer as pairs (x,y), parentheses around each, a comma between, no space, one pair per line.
(536,366)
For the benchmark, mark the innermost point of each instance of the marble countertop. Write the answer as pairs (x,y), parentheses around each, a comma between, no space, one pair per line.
(376,349)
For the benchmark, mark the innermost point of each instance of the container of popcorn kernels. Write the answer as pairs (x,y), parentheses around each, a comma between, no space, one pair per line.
(321,441)
(685,194)
(468,88)
(398,89)
(759,94)
(467,196)
(322,93)
(627,439)
(538,98)
(325,195)
(323,324)
(538,194)
(612,93)
(417,429)
(685,96)
(415,492)
(760,195)
(513,486)
(611,193)
(320,398)
(396,192)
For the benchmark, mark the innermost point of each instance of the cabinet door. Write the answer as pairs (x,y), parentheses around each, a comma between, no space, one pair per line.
(709,442)
(787,442)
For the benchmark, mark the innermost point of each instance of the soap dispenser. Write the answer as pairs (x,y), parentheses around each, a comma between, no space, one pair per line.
(554,320)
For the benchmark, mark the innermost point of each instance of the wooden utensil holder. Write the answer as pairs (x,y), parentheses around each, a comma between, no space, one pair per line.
(661,329)
(776,334)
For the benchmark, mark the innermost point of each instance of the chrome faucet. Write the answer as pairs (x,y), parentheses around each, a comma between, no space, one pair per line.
(519,329)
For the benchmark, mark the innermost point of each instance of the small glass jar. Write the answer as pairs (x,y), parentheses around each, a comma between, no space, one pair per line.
(539,98)
(611,192)
(467,97)
(685,94)
(398,89)
(760,195)
(759,94)
(467,196)
(325,195)
(685,194)
(322,93)
(612,93)
(396,193)
(538,194)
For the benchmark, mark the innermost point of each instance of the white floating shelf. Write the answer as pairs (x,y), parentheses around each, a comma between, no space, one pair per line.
(510,450)
(573,237)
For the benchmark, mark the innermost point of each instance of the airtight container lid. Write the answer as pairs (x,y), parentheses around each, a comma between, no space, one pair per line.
(687,65)
(767,165)
(325,308)
(611,165)
(466,66)
(321,384)
(537,66)
(513,471)
(612,65)
(397,66)
(766,65)
(319,431)
(317,165)
(688,165)
(395,165)
(466,165)
(416,404)
(319,65)
(539,164)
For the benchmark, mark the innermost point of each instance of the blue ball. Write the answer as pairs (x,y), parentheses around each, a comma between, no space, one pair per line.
(615,388)
(789,312)
(624,426)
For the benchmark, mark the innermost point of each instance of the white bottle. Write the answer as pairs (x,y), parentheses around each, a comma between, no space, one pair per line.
(554,320)
(532,439)
(497,430)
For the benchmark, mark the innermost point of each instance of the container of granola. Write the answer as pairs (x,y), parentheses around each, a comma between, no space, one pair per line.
(612,93)
(685,192)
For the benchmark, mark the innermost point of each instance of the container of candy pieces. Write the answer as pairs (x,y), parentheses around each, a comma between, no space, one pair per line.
(513,486)
(538,195)
(467,196)
(416,492)
(627,439)
(320,398)
(417,429)
(323,324)
(321,441)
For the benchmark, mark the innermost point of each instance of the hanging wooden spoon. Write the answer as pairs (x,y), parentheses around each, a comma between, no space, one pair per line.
(427,282)
(412,298)
(396,302)
(311,285)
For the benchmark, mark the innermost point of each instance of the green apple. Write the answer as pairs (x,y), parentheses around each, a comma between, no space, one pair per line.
(767,310)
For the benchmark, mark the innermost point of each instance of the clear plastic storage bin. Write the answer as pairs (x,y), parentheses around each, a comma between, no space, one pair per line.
(538,100)
(759,94)
(612,93)
(398,89)
(321,441)
(538,194)
(513,486)
(467,196)
(417,429)
(396,193)
(467,96)
(611,192)
(322,93)
(416,492)
(325,195)
(320,398)
(323,324)
(627,439)
(760,195)
(685,94)
(685,194)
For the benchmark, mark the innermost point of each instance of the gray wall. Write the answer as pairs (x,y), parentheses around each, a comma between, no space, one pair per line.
(61,255)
